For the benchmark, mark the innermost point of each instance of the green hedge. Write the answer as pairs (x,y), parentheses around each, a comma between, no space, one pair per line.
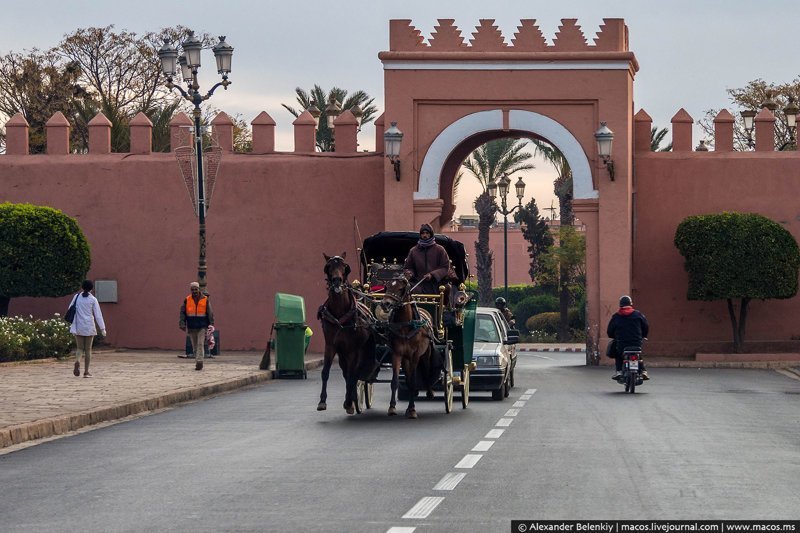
(43,252)
(547,323)
(27,338)
(533,305)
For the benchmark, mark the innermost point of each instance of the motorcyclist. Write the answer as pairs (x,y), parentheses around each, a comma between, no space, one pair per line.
(628,327)
(500,303)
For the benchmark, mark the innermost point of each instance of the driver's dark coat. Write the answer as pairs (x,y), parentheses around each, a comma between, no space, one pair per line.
(628,327)
(429,260)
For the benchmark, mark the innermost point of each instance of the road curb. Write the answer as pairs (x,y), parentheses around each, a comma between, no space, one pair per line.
(60,425)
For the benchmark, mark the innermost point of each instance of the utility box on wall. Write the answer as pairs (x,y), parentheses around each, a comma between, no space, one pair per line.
(105,290)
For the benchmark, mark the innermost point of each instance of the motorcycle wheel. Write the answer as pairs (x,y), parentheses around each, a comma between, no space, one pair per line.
(630,386)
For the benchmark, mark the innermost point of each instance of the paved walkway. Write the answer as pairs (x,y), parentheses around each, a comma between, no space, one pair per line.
(43,399)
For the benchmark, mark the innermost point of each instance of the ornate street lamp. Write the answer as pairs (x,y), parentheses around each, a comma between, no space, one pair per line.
(189,63)
(502,187)
(605,139)
(391,141)
(789,112)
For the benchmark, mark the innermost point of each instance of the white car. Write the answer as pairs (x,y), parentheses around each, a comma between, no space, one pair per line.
(494,353)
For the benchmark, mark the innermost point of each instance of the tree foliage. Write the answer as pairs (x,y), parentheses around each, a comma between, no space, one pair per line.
(43,252)
(38,85)
(752,97)
(742,256)
(656,138)
(537,233)
(325,138)
(490,161)
(91,71)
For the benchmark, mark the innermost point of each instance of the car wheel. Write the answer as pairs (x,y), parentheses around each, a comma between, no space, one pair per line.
(497,394)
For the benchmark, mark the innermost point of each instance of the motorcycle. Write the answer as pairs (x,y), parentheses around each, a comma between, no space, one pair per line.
(632,366)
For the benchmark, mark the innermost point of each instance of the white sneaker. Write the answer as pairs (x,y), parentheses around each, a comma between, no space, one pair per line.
(616,375)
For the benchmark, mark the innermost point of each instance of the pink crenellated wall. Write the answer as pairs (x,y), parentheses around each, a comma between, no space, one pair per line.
(669,186)
(271,218)
(273,215)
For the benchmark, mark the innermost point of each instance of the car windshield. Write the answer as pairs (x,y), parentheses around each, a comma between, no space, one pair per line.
(486,329)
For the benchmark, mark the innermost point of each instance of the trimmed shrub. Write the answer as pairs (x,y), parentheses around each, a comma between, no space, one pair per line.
(43,252)
(547,324)
(533,305)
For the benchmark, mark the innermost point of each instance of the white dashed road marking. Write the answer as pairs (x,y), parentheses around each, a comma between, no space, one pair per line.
(424,507)
(494,434)
(483,446)
(469,460)
(449,481)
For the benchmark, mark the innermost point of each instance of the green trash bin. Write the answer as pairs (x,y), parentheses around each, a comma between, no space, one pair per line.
(290,336)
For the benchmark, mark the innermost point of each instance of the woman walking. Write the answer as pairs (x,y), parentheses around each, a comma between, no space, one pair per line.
(87,312)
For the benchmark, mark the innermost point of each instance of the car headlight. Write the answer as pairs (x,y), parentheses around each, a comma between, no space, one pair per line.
(488,360)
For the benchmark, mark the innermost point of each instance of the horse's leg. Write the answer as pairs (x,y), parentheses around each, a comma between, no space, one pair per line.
(395,382)
(411,384)
(326,371)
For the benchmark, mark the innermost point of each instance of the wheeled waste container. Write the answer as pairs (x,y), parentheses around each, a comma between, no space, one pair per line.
(290,336)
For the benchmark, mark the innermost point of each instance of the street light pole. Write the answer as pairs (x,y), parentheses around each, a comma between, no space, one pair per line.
(502,186)
(189,63)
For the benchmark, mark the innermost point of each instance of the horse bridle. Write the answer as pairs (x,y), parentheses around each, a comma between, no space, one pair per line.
(335,284)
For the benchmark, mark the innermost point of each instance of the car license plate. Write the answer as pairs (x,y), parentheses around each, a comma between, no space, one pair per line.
(633,365)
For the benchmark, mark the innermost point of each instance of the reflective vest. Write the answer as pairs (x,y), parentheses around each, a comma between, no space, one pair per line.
(196,313)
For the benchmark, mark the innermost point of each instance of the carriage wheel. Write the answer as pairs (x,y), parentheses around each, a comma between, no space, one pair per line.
(367,391)
(361,397)
(447,379)
(465,387)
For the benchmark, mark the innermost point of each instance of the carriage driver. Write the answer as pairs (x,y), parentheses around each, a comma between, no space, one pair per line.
(428,262)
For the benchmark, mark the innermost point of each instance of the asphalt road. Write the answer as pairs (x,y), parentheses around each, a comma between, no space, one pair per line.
(568,444)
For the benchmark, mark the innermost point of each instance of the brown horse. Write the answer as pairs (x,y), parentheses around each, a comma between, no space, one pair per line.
(410,339)
(347,332)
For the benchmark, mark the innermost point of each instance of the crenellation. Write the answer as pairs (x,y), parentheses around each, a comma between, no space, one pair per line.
(99,135)
(612,36)
(488,38)
(723,131)
(570,37)
(529,38)
(17,135)
(403,36)
(447,37)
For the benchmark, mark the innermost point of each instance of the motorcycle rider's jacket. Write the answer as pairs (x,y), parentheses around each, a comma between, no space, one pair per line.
(628,327)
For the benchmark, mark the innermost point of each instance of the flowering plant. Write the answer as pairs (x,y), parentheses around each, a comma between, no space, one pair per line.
(28,338)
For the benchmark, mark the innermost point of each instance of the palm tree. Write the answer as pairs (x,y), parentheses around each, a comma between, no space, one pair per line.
(656,138)
(562,187)
(319,97)
(487,163)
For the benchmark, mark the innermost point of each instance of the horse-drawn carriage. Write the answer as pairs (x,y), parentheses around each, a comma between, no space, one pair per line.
(401,316)
(378,323)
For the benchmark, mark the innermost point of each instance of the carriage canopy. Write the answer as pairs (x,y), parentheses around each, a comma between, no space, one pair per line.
(393,246)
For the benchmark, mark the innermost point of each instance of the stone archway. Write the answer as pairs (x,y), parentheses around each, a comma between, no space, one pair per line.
(449,95)
(520,120)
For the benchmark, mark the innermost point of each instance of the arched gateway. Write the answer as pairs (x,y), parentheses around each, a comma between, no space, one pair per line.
(449,97)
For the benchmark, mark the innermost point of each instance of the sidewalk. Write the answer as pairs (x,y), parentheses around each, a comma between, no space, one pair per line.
(43,399)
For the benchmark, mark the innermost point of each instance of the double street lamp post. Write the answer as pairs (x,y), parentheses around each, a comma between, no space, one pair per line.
(189,62)
(502,186)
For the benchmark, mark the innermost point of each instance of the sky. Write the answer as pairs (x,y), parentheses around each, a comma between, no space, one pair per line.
(689,51)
